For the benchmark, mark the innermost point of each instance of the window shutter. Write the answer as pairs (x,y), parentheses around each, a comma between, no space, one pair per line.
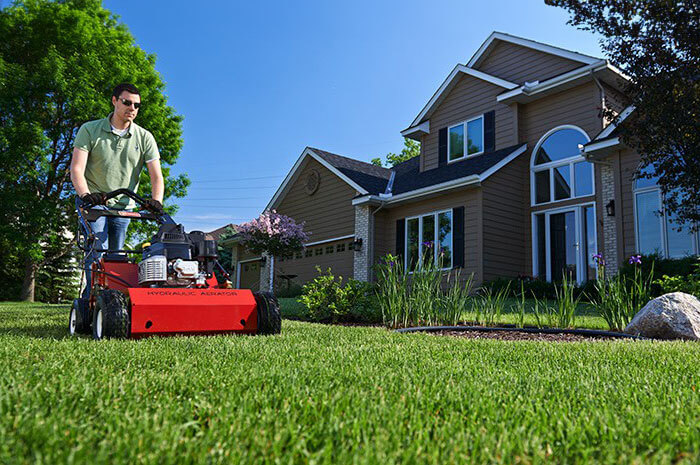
(490,131)
(442,147)
(400,237)
(458,235)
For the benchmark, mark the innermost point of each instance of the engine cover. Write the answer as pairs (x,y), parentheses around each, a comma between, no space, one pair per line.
(153,269)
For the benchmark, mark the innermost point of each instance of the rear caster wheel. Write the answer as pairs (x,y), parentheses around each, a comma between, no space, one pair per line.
(79,321)
(269,316)
(111,318)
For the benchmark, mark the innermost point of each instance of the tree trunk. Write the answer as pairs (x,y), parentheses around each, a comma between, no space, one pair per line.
(27,294)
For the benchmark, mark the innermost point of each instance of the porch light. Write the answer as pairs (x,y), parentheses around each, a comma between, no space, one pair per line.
(357,244)
(610,208)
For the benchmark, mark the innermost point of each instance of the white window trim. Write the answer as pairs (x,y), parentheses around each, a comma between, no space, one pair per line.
(577,208)
(662,221)
(435,239)
(552,165)
(466,137)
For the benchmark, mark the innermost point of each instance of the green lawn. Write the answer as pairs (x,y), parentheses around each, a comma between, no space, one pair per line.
(324,394)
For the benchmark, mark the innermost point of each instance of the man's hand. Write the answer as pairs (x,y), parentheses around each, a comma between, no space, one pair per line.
(154,206)
(94,198)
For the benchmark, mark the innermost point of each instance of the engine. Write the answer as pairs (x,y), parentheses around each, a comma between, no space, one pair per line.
(175,258)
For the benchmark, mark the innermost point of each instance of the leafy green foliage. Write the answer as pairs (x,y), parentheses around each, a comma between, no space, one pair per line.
(689,283)
(656,44)
(411,149)
(335,395)
(328,301)
(59,62)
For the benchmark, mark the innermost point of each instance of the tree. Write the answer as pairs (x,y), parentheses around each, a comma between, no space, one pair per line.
(59,61)
(656,44)
(410,149)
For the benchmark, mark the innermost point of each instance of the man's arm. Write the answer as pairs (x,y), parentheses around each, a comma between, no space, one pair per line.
(77,171)
(157,184)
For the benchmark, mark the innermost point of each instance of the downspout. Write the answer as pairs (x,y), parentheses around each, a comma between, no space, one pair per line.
(602,94)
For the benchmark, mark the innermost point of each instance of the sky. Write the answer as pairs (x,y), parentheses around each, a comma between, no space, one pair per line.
(257,82)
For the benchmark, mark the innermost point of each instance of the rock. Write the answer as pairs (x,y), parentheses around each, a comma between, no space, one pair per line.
(671,316)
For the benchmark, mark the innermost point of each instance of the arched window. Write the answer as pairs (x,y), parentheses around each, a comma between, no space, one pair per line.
(558,170)
(656,232)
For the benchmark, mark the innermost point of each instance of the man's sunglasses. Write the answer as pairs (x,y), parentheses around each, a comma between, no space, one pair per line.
(128,103)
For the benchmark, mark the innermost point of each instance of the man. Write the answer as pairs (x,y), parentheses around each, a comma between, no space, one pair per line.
(109,154)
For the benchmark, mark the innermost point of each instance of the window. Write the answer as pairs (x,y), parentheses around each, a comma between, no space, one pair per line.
(340,248)
(656,230)
(319,251)
(308,253)
(298,255)
(559,172)
(429,237)
(329,249)
(472,144)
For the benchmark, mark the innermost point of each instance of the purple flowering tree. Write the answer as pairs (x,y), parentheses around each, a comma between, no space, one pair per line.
(274,234)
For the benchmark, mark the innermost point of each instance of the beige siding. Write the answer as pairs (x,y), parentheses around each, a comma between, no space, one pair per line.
(504,200)
(341,263)
(328,213)
(626,165)
(469,98)
(520,64)
(470,199)
(579,106)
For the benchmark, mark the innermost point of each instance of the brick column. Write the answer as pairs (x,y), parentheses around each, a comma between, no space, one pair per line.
(234,265)
(265,274)
(607,178)
(362,259)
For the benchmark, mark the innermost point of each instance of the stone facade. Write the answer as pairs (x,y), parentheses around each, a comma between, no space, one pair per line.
(607,176)
(364,226)
(265,273)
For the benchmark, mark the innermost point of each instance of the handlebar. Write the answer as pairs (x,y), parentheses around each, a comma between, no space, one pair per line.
(91,214)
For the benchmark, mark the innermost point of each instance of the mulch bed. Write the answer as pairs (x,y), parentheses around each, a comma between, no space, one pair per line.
(523,336)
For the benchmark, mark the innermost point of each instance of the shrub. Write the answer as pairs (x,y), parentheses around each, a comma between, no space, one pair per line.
(294,290)
(658,267)
(328,301)
(690,283)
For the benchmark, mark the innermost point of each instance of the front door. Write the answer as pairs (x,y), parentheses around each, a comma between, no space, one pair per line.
(563,246)
(564,243)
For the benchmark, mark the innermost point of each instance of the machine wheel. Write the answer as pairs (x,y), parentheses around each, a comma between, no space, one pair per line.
(269,316)
(80,320)
(111,317)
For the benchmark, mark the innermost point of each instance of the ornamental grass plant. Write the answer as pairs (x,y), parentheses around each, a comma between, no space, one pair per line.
(417,298)
(619,297)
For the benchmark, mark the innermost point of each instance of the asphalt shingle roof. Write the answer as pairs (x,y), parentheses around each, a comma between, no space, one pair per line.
(371,177)
(409,177)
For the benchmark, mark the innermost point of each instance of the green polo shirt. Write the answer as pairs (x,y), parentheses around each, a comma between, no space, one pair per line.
(115,162)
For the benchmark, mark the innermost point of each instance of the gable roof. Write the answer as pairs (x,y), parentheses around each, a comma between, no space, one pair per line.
(218,232)
(410,182)
(410,178)
(608,139)
(492,40)
(371,177)
(364,177)
(447,86)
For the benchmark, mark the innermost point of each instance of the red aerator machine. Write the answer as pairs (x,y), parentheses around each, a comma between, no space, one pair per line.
(172,290)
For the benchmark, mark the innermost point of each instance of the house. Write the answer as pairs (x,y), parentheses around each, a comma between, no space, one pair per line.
(519,174)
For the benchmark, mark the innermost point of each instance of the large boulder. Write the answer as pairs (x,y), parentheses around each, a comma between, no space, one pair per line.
(671,316)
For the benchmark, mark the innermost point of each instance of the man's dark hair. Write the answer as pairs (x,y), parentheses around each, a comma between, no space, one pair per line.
(125,86)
